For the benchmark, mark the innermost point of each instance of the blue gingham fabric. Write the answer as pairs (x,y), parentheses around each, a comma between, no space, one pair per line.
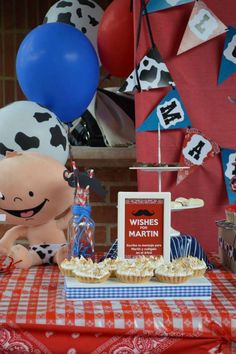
(139,292)
(180,246)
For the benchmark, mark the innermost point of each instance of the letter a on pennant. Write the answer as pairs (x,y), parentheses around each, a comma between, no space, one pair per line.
(197,149)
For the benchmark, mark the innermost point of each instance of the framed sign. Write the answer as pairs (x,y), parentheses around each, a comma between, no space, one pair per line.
(144,224)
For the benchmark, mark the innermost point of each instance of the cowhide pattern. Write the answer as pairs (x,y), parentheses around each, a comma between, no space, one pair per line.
(151,71)
(82,14)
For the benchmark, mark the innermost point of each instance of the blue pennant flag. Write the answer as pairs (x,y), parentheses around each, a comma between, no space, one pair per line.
(228,60)
(228,158)
(157,5)
(170,113)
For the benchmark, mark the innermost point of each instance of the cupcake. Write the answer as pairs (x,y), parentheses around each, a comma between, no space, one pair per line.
(151,262)
(92,273)
(173,273)
(131,271)
(155,261)
(112,265)
(197,265)
(67,266)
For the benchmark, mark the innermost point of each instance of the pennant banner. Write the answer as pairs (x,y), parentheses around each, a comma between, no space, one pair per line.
(151,73)
(157,5)
(170,113)
(196,150)
(228,158)
(203,25)
(228,60)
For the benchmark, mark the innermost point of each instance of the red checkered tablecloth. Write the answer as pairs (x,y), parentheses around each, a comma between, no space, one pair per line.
(33,309)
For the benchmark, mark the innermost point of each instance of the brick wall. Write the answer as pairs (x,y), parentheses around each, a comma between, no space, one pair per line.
(17,18)
(104,211)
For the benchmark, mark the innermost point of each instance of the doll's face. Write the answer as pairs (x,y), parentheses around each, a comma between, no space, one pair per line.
(32,189)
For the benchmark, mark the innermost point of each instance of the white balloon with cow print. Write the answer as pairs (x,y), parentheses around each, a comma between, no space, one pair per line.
(27,126)
(84,15)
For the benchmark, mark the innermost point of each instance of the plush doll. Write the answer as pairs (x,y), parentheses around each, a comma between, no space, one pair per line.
(36,198)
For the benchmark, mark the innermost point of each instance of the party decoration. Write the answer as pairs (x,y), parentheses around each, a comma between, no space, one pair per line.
(150,73)
(108,121)
(7,264)
(197,149)
(228,159)
(82,182)
(33,196)
(203,25)
(169,113)
(85,130)
(156,5)
(122,99)
(227,247)
(83,15)
(81,227)
(116,38)
(117,127)
(57,67)
(27,126)
(228,60)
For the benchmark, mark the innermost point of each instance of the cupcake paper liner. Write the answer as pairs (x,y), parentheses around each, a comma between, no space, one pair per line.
(84,279)
(199,272)
(172,280)
(133,278)
(66,272)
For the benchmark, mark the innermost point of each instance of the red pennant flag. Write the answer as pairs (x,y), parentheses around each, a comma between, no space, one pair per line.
(196,150)
(203,25)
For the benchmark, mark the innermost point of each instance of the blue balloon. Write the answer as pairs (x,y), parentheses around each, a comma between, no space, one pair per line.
(57,67)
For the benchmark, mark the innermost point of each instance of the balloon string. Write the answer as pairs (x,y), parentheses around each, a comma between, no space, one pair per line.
(143,8)
(148,23)
(139,25)
(137,44)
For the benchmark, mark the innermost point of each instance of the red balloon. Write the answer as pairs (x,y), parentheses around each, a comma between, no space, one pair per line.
(116,39)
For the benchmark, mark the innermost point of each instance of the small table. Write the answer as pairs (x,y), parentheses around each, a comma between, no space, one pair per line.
(34,315)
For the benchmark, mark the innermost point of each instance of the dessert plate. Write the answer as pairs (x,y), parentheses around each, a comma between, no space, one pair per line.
(186,207)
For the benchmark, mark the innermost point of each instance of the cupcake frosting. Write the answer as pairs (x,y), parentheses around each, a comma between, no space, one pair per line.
(173,270)
(193,262)
(92,271)
(110,263)
(132,268)
(70,264)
